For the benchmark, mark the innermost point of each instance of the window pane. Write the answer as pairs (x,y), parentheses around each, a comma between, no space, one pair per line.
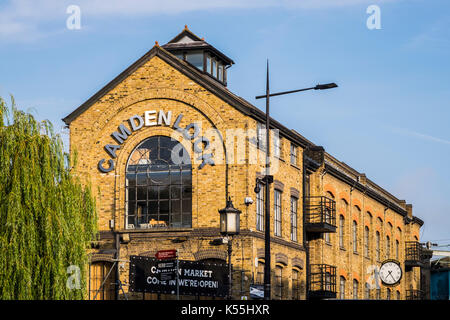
(220,77)
(214,68)
(196,59)
(208,64)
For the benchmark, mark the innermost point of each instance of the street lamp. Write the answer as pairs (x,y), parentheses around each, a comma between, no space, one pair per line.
(268,179)
(229,226)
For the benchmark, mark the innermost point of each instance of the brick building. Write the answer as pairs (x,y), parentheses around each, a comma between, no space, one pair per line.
(165,144)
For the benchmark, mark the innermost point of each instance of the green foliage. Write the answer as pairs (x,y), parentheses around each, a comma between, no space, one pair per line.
(47,218)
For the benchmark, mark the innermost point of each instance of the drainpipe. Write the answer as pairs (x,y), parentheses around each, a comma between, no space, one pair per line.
(117,239)
(305,245)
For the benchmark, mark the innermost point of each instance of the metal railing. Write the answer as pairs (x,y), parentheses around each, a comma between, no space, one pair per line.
(414,295)
(322,281)
(320,210)
(413,251)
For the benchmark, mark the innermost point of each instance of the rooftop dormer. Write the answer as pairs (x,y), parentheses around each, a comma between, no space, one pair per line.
(200,54)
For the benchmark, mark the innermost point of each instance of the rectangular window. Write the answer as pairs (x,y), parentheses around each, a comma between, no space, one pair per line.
(214,68)
(276,144)
(261,136)
(220,76)
(208,64)
(294,202)
(260,208)
(196,59)
(277,211)
(293,155)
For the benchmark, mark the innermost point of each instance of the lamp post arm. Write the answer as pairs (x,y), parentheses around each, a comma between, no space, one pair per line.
(284,92)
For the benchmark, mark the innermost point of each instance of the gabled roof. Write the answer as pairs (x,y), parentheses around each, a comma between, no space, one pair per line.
(186,40)
(185,36)
(204,80)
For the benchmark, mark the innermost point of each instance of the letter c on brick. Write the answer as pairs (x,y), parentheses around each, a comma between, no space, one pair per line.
(102,169)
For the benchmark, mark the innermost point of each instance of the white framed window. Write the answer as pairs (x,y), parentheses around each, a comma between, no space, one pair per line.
(293,154)
(261,136)
(277,211)
(294,202)
(276,144)
(260,208)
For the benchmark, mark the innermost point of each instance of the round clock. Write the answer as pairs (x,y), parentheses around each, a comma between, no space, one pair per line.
(390,272)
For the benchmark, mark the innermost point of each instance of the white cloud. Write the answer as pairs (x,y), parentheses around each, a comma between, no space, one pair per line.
(23,19)
(421,135)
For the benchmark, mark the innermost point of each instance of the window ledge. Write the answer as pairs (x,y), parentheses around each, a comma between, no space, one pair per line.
(155,230)
(342,248)
(295,166)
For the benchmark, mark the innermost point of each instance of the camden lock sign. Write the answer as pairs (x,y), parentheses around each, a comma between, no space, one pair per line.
(195,278)
(153,118)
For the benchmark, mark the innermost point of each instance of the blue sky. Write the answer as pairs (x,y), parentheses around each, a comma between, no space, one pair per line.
(389,118)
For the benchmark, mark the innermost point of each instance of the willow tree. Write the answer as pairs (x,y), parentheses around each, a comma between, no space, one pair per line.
(47,217)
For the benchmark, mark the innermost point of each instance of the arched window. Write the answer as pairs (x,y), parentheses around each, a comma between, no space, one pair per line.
(355,237)
(279,281)
(328,217)
(341,231)
(397,249)
(355,289)
(377,245)
(260,207)
(159,185)
(342,288)
(388,247)
(388,294)
(366,291)
(398,295)
(369,218)
(366,241)
(260,272)
(295,284)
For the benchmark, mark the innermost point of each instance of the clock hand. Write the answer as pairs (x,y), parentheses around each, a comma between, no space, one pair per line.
(390,274)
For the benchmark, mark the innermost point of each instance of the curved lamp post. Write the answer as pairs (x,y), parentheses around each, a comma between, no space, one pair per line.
(229,226)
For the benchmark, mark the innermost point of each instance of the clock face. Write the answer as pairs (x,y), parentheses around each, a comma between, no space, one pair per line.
(390,272)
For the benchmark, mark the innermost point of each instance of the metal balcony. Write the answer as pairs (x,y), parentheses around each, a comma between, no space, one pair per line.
(322,281)
(416,255)
(320,214)
(414,295)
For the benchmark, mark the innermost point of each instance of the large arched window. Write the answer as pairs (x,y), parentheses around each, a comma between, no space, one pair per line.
(159,185)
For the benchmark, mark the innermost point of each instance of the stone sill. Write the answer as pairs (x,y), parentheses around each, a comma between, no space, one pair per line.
(154,230)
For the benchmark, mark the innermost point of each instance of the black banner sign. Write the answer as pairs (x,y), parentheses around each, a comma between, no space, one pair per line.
(195,278)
